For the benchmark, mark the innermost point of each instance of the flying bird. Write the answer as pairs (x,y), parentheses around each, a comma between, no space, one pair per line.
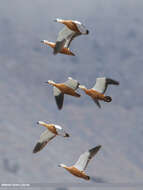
(98,90)
(51,132)
(79,167)
(71,30)
(59,89)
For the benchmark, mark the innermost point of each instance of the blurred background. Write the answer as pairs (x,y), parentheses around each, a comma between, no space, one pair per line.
(114,49)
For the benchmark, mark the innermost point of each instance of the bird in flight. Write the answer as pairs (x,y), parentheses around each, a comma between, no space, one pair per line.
(59,89)
(98,90)
(71,30)
(51,132)
(79,167)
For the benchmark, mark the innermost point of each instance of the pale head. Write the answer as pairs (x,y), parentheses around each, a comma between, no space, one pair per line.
(42,123)
(82,87)
(62,165)
(42,41)
(51,82)
(58,20)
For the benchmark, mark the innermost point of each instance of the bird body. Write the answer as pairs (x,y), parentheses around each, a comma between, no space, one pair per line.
(51,132)
(94,94)
(98,90)
(74,171)
(66,90)
(60,89)
(78,168)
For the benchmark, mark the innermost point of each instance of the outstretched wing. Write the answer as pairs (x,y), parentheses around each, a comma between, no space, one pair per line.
(70,38)
(64,35)
(72,83)
(84,159)
(102,84)
(44,139)
(110,81)
(59,97)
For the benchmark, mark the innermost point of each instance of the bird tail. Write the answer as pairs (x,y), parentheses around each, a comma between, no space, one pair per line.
(87,177)
(66,135)
(107,99)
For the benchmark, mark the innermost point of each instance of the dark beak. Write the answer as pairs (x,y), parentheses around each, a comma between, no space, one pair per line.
(46,83)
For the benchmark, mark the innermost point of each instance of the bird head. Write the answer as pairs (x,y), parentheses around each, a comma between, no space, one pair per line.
(58,20)
(82,87)
(50,82)
(42,123)
(62,165)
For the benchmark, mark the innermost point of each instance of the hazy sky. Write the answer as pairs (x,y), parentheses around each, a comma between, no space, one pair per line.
(113,49)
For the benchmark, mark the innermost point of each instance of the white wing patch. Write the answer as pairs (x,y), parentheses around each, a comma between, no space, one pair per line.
(81,28)
(44,139)
(56,91)
(70,38)
(82,161)
(100,85)
(72,83)
(46,136)
(60,130)
(64,34)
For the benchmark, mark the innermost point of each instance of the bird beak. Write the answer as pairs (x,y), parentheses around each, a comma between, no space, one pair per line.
(59,165)
(42,41)
(46,83)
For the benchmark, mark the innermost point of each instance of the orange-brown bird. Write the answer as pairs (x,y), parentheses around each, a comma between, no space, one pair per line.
(71,30)
(51,132)
(98,90)
(79,167)
(69,87)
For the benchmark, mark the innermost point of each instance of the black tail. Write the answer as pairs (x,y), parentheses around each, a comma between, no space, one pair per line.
(67,135)
(107,99)
(87,177)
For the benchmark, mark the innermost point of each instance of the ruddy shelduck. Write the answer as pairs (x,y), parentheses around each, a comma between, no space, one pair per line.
(60,89)
(98,90)
(79,167)
(51,132)
(71,30)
